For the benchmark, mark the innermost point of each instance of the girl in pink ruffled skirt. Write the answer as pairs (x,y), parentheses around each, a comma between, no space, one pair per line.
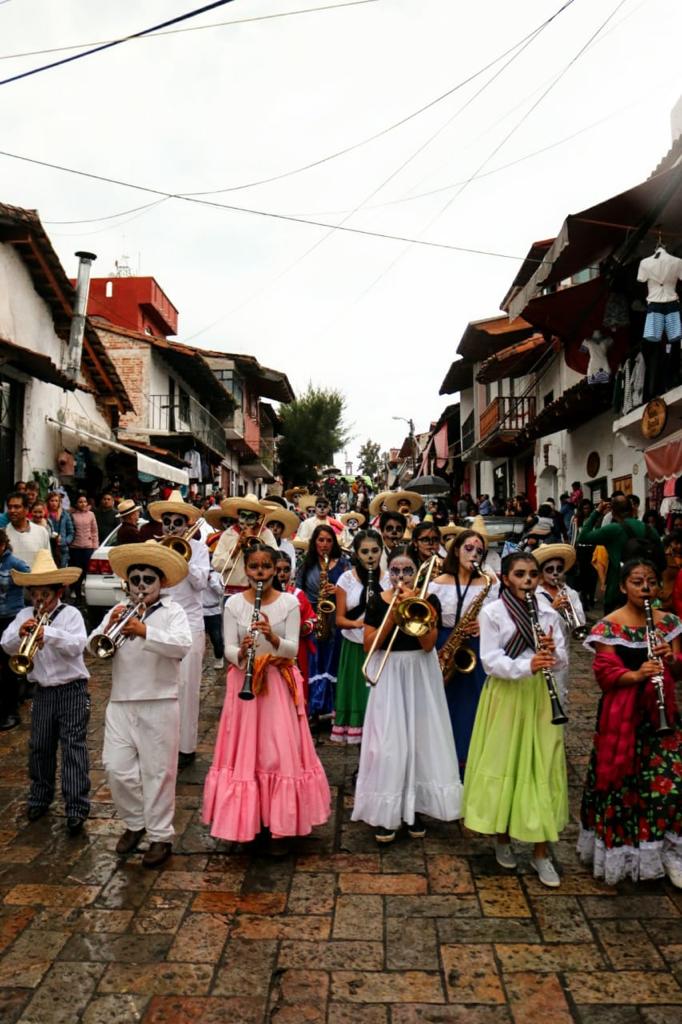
(265,771)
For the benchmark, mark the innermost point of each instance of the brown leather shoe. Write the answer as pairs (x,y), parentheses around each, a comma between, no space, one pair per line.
(129,842)
(157,854)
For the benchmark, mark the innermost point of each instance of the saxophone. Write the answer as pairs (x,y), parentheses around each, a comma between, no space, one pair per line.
(325,606)
(455,656)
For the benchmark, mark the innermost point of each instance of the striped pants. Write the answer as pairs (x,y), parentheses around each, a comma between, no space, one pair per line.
(59,716)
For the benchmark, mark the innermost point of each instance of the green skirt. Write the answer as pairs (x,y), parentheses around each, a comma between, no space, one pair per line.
(515,780)
(352,694)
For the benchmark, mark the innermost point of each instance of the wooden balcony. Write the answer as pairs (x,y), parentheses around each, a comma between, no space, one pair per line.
(502,422)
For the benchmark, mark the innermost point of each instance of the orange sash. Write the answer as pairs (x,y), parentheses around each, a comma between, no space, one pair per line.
(285,667)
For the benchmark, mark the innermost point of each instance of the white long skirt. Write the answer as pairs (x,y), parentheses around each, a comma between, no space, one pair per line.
(408,761)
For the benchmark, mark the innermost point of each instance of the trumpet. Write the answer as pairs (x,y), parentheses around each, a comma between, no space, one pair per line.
(246,692)
(242,543)
(21,663)
(652,639)
(180,543)
(104,645)
(415,617)
(570,616)
(558,716)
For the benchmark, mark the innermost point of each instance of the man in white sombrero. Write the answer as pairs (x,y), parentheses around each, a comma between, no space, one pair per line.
(555,560)
(283,525)
(407,503)
(322,517)
(175,516)
(228,556)
(142,721)
(352,521)
(61,705)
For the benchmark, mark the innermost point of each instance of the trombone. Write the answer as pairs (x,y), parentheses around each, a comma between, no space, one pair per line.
(180,543)
(242,543)
(415,616)
(21,663)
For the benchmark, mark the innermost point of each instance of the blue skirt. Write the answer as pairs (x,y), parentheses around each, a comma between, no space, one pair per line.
(462,695)
(323,668)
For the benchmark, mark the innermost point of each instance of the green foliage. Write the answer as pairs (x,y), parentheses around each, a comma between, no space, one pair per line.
(312,432)
(369,459)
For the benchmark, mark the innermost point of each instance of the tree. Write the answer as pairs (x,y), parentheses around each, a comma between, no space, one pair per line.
(312,432)
(369,459)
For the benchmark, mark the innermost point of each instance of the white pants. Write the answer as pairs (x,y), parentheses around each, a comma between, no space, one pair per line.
(140,756)
(190,688)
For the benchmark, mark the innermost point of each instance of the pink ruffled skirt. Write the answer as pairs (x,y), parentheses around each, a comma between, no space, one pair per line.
(265,770)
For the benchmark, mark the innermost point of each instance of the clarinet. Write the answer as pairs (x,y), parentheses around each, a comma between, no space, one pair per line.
(558,716)
(246,692)
(371,594)
(664,728)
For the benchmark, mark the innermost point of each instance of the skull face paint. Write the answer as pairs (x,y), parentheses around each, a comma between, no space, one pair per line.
(369,554)
(173,524)
(144,583)
(247,518)
(553,572)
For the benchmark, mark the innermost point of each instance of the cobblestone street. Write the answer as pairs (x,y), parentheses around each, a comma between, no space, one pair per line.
(422,932)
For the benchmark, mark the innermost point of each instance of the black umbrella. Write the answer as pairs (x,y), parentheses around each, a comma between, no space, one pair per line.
(428,485)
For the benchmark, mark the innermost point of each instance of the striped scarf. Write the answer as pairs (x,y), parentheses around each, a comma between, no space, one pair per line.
(523,636)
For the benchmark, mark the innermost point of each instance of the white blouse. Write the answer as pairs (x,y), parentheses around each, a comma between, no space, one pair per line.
(353,588)
(284,616)
(497,628)
(447,595)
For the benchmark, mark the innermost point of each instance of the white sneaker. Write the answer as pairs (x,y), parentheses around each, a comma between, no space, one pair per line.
(219,663)
(673,868)
(547,873)
(504,855)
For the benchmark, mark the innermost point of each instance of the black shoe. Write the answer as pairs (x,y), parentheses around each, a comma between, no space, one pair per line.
(157,854)
(185,760)
(74,825)
(11,722)
(417,830)
(129,841)
(33,813)
(384,835)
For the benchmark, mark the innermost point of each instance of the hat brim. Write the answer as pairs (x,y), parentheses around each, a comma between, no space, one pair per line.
(56,577)
(157,509)
(233,505)
(307,501)
(347,516)
(215,516)
(377,501)
(289,519)
(129,511)
(546,552)
(150,552)
(416,501)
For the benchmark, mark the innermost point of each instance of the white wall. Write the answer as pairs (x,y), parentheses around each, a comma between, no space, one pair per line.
(25,318)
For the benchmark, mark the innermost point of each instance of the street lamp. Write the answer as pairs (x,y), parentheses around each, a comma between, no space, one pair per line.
(410,422)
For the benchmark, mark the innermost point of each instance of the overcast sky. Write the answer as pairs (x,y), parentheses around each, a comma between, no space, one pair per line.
(218,108)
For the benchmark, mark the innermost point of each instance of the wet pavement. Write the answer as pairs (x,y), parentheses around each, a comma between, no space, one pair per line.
(422,932)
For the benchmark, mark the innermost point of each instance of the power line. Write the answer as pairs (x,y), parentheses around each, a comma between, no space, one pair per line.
(116,42)
(178,31)
(391,127)
(109,216)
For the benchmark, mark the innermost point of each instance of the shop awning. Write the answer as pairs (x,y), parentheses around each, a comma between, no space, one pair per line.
(152,467)
(459,376)
(515,360)
(664,461)
(588,237)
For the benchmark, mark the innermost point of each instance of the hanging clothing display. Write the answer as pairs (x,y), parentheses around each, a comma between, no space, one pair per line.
(598,369)
(634,372)
(192,460)
(660,273)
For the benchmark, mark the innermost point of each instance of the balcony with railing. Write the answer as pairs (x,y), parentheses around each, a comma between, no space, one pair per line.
(182,414)
(501,423)
(469,432)
(261,465)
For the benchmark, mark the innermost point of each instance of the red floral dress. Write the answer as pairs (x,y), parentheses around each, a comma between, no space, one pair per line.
(631,824)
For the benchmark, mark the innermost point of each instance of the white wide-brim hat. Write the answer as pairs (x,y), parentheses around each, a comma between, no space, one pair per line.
(172,565)
(377,501)
(175,503)
(416,501)
(217,513)
(248,503)
(282,515)
(546,552)
(347,516)
(44,572)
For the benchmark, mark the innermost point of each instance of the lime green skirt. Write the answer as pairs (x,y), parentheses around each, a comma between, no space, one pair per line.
(515,778)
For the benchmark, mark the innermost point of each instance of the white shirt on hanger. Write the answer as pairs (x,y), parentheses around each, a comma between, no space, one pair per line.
(661,273)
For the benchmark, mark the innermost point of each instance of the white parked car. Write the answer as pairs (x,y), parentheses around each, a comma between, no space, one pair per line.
(103,588)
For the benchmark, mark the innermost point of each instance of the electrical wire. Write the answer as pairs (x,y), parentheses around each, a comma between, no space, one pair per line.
(190,28)
(109,216)
(115,42)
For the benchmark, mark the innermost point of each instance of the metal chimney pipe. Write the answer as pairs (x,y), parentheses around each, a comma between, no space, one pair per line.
(80,306)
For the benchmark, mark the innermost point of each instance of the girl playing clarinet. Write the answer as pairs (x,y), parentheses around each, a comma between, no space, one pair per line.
(631,814)
(515,785)
(265,771)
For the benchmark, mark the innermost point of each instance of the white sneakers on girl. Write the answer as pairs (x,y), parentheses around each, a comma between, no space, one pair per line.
(504,855)
(546,872)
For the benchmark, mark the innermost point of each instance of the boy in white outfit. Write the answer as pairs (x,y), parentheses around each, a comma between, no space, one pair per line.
(142,723)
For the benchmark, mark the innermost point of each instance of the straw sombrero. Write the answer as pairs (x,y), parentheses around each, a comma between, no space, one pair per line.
(127,506)
(175,503)
(283,515)
(150,552)
(416,501)
(300,545)
(308,500)
(43,572)
(450,531)
(478,526)
(295,492)
(217,513)
(249,503)
(377,501)
(347,516)
(566,552)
